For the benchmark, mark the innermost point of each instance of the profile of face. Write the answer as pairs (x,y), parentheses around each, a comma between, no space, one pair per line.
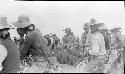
(67,32)
(21,31)
(4,34)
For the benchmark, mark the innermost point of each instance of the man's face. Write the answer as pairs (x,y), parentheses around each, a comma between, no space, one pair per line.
(86,29)
(21,31)
(67,32)
(5,32)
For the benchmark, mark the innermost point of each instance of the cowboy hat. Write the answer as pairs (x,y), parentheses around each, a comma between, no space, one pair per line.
(23,21)
(92,21)
(116,29)
(3,22)
(86,25)
(102,26)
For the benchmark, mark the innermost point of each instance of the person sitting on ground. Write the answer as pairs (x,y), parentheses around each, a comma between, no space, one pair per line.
(11,63)
(34,43)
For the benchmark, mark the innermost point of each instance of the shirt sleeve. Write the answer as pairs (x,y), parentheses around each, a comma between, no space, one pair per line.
(27,44)
(102,49)
(3,55)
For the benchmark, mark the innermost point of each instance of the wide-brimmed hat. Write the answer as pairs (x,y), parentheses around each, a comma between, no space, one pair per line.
(3,22)
(86,25)
(101,26)
(116,29)
(23,21)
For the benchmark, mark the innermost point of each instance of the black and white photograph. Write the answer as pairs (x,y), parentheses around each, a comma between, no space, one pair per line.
(62,36)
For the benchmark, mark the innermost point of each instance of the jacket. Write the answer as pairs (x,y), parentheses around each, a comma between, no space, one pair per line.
(12,61)
(34,43)
(3,55)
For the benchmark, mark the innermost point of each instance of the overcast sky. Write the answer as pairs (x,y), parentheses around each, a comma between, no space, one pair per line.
(54,16)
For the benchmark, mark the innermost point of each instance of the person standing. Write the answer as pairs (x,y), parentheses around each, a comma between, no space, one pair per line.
(97,51)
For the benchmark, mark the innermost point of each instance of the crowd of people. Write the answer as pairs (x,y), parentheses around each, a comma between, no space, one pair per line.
(99,48)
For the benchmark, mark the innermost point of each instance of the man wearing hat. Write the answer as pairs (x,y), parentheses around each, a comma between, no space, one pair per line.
(117,45)
(69,38)
(67,42)
(85,38)
(97,50)
(84,35)
(34,42)
(11,64)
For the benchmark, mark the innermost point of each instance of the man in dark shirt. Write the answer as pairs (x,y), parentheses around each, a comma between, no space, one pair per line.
(11,64)
(34,42)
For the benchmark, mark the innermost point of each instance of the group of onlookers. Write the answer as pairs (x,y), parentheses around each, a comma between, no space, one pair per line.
(97,43)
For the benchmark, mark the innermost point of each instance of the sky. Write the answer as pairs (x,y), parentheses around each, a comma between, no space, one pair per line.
(54,16)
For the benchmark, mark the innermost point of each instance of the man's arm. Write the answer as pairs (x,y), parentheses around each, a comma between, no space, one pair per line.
(27,43)
(3,55)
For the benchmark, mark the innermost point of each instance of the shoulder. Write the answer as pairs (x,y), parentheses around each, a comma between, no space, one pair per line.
(34,33)
(2,47)
(3,50)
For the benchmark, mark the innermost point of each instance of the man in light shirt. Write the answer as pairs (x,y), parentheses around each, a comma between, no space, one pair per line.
(3,55)
(97,50)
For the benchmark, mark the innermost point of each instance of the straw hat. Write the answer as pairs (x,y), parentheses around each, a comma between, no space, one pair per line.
(23,21)
(3,22)
(86,25)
